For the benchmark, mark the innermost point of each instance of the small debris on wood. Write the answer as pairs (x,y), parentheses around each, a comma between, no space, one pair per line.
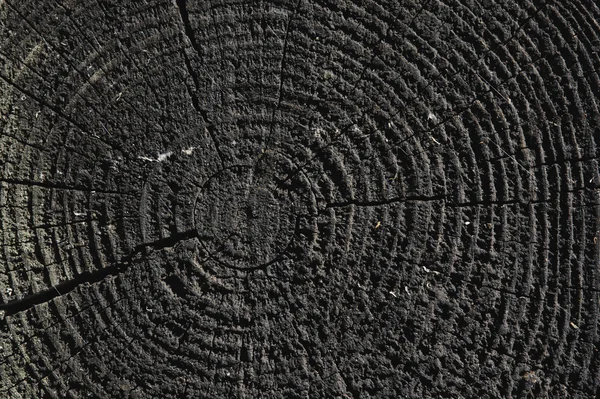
(531,377)
(188,151)
(427,270)
(161,157)
(164,156)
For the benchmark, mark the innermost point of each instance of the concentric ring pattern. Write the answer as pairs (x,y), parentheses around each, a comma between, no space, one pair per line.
(306,198)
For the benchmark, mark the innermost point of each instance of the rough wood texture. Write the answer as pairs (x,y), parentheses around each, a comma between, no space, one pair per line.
(299,199)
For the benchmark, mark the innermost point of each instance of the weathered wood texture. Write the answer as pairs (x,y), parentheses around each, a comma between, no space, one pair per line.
(299,199)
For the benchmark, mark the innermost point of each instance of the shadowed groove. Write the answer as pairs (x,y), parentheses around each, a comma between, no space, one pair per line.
(66,287)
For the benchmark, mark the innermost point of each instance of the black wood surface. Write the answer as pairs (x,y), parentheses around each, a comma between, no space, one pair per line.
(299,199)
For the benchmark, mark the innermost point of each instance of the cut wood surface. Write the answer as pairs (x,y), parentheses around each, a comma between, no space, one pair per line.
(299,199)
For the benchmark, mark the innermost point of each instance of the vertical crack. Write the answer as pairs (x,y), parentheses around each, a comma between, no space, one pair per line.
(187,26)
(189,32)
(282,65)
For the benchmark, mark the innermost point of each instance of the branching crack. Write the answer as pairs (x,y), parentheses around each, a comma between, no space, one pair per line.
(468,67)
(23,304)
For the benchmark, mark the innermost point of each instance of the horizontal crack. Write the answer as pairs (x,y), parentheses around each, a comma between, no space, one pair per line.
(389,201)
(448,202)
(60,186)
(23,304)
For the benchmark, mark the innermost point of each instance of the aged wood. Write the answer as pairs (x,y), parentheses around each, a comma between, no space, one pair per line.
(299,199)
